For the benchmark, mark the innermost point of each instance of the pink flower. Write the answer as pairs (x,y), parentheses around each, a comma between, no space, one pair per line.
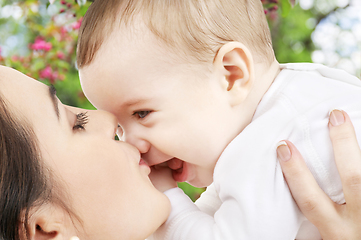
(54,76)
(76,25)
(1,58)
(15,58)
(63,33)
(60,55)
(274,8)
(46,73)
(50,74)
(40,44)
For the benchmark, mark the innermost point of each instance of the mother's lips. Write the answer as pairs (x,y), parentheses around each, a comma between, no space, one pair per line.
(142,162)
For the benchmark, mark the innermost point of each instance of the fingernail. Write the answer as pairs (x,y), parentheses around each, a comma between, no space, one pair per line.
(283,152)
(336,117)
(74,238)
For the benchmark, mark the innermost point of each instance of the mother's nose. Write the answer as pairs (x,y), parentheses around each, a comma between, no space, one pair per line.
(102,122)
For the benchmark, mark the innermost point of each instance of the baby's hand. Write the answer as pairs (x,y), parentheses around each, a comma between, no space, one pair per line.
(162,179)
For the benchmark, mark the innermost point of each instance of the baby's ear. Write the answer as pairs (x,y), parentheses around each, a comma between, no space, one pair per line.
(235,62)
(44,223)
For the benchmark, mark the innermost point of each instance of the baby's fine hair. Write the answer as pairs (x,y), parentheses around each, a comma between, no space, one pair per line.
(196,28)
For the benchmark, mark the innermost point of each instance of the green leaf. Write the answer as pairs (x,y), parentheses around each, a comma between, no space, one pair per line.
(84,8)
(191,191)
(38,65)
(285,7)
(62,64)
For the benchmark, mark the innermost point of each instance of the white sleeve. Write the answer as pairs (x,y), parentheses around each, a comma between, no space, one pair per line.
(254,199)
(209,201)
(264,213)
(186,221)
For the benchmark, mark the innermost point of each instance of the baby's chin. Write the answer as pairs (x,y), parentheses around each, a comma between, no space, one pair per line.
(188,173)
(199,183)
(185,172)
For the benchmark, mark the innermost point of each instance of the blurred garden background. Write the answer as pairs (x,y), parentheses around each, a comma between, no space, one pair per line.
(38,38)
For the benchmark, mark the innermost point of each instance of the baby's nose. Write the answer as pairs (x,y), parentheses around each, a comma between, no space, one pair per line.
(141,144)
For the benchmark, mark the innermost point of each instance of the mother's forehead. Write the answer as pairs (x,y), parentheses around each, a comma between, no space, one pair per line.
(20,90)
(5,72)
(11,77)
(8,78)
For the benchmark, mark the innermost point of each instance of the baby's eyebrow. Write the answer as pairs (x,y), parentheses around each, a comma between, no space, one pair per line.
(134,102)
(52,94)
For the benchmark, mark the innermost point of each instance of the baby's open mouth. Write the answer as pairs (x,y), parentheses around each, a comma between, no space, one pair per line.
(179,169)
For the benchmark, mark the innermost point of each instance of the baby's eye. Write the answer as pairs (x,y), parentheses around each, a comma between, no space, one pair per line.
(81,121)
(141,114)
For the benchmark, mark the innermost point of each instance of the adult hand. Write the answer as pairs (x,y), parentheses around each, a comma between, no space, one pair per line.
(332,220)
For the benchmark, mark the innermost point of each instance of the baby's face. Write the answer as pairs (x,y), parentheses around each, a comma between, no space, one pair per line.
(172,111)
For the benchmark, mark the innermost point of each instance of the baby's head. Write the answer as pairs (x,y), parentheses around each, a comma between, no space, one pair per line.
(193,28)
(179,75)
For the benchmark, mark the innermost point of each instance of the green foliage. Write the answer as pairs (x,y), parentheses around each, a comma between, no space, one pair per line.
(191,191)
(69,91)
(291,36)
(47,35)
(285,7)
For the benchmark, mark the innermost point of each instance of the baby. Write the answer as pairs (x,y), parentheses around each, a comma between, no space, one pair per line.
(195,84)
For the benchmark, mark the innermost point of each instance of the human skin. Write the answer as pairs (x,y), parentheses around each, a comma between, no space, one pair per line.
(176,111)
(105,180)
(334,221)
(173,110)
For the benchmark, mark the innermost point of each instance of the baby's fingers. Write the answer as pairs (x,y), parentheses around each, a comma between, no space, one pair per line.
(310,198)
(348,157)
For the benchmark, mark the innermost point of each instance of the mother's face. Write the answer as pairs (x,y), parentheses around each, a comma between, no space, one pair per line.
(108,185)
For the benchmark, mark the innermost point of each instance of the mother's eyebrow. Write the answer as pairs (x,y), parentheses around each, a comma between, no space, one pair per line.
(52,93)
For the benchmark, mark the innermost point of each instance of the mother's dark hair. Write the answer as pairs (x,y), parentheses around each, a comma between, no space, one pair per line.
(25,182)
(22,181)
